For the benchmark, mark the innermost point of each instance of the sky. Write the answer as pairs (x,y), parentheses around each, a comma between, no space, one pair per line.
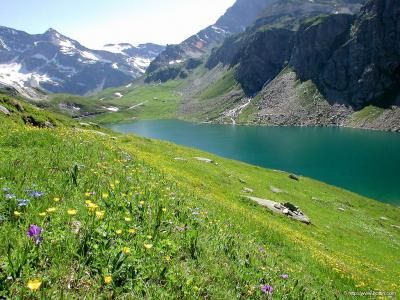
(97,22)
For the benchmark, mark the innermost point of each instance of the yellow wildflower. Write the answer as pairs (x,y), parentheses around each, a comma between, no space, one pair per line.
(149,237)
(72,212)
(119,231)
(56,199)
(128,219)
(126,250)
(17,213)
(43,214)
(167,258)
(87,194)
(51,209)
(100,214)
(34,284)
(132,231)
(141,202)
(92,206)
(164,209)
(104,195)
(148,246)
(107,279)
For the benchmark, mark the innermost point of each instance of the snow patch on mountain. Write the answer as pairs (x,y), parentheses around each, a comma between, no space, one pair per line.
(3,45)
(141,63)
(11,74)
(117,48)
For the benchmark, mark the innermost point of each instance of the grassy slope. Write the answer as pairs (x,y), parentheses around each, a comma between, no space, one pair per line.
(152,100)
(212,252)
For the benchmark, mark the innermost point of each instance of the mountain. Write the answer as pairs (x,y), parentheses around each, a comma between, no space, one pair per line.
(141,56)
(171,62)
(58,64)
(174,62)
(326,68)
(359,64)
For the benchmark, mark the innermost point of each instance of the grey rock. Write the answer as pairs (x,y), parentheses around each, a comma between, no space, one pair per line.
(279,208)
(203,159)
(248,190)
(4,110)
(275,190)
(294,177)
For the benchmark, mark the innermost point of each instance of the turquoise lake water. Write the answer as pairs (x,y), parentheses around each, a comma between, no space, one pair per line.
(365,162)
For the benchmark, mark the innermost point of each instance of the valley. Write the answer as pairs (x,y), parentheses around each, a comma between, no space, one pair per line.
(230,165)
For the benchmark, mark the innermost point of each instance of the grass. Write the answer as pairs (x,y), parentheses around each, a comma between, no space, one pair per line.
(122,218)
(220,87)
(368,113)
(138,101)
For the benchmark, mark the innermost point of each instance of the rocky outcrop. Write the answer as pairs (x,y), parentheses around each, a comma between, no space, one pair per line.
(264,55)
(362,65)
(315,43)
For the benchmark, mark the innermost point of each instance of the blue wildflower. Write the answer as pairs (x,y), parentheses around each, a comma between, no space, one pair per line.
(22,202)
(10,196)
(35,194)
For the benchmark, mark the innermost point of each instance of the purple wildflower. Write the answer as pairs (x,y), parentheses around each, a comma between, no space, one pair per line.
(267,289)
(35,232)
(285,276)
(261,249)
(22,202)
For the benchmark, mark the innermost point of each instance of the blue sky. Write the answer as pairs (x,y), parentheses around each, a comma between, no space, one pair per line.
(97,22)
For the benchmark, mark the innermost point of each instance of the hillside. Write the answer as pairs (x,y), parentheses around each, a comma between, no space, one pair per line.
(123,216)
(293,67)
(174,61)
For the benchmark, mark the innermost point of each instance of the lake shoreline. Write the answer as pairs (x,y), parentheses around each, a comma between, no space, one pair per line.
(348,158)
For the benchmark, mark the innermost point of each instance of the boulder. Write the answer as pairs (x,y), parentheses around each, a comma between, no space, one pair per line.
(4,110)
(203,159)
(281,209)
(275,190)
(248,190)
(294,177)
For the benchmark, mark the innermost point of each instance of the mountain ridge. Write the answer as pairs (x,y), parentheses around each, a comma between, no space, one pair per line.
(56,63)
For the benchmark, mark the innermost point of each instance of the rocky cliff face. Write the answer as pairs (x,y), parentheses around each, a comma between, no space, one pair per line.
(264,55)
(355,63)
(264,49)
(316,42)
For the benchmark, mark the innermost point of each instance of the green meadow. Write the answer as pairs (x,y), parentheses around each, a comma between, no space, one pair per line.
(89,213)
